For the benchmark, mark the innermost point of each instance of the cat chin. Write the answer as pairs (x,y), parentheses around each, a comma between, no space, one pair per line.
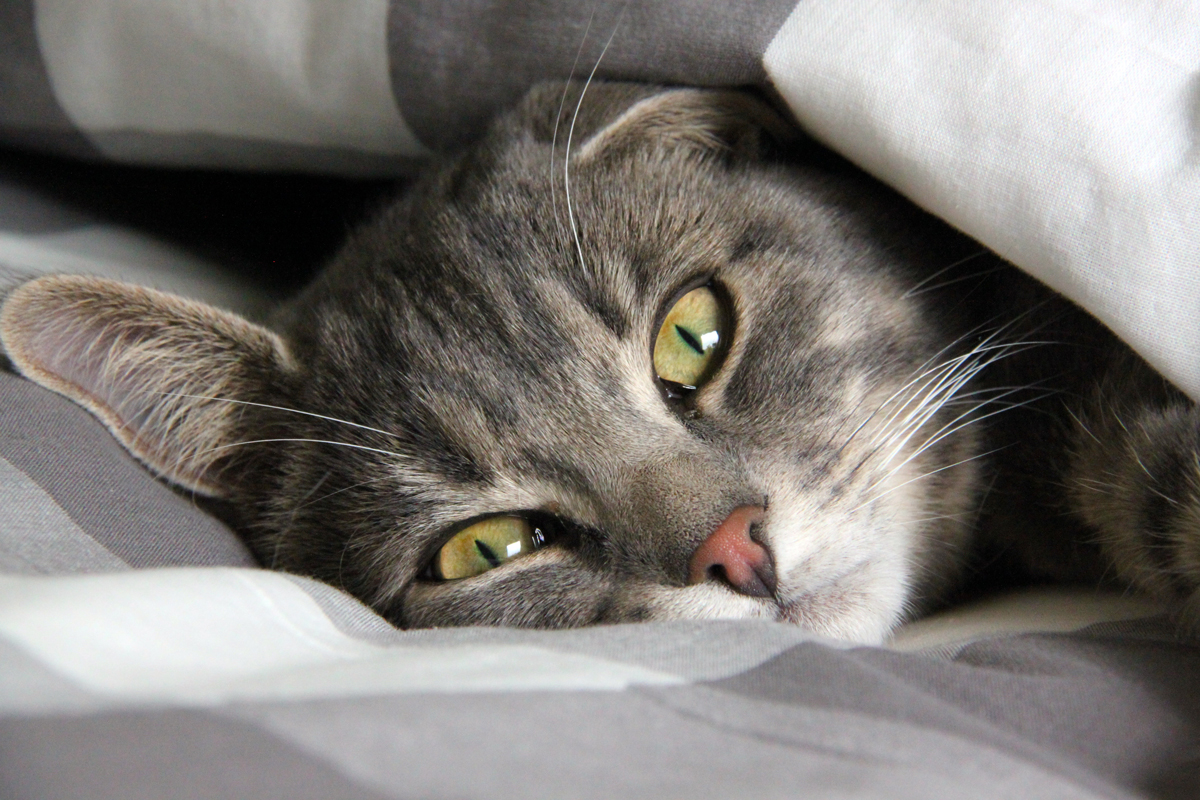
(862,605)
(846,608)
(854,593)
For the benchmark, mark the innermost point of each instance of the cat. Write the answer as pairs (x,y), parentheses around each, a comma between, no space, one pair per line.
(645,353)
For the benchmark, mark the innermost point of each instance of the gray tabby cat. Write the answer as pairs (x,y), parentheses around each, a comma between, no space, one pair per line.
(647,359)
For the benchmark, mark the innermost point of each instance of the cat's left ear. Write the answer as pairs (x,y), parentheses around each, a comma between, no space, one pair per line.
(704,122)
(168,376)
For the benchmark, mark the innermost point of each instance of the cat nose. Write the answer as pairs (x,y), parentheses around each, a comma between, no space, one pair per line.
(730,555)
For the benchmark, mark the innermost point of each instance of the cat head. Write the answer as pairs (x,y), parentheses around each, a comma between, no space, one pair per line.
(620,361)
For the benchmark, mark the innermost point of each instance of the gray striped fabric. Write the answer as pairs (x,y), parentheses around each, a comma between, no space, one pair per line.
(335,85)
(658,710)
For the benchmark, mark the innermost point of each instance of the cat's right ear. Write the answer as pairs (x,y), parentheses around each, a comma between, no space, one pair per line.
(158,370)
(700,122)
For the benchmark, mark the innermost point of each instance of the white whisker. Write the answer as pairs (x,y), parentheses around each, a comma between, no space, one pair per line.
(924,369)
(339,491)
(558,119)
(926,475)
(952,281)
(1079,422)
(279,408)
(913,289)
(571,136)
(948,387)
(311,441)
(946,430)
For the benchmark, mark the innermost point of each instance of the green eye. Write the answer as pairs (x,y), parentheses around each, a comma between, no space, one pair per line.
(485,545)
(694,333)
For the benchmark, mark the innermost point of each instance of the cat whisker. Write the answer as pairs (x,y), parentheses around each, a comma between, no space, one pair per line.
(906,435)
(1079,422)
(914,289)
(952,281)
(339,491)
(1098,487)
(947,430)
(279,408)
(962,518)
(955,374)
(571,136)
(950,396)
(983,346)
(953,427)
(923,369)
(310,441)
(931,401)
(558,118)
(308,494)
(311,491)
(949,378)
(924,475)
(964,370)
(1141,464)
(895,395)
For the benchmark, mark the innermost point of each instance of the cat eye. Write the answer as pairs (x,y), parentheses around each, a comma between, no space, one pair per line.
(694,334)
(486,545)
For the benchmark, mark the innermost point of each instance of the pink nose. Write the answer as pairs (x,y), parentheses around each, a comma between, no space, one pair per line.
(729,554)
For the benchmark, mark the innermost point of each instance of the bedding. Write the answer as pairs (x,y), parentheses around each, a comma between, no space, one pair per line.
(143,653)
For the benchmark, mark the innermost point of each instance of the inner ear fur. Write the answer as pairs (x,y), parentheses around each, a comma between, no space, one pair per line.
(158,370)
(705,122)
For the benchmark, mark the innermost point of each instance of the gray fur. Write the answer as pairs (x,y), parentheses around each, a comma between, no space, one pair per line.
(486,345)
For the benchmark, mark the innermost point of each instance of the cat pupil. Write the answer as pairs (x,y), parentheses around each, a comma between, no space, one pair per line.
(689,339)
(488,554)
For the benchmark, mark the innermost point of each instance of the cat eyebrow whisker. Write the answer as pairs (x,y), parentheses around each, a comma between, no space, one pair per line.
(280,408)
(571,136)
(339,491)
(558,118)
(311,441)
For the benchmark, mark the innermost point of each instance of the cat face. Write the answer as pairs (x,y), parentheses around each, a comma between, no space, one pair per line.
(661,376)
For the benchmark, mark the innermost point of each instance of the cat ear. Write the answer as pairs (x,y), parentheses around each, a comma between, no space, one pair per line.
(702,121)
(157,369)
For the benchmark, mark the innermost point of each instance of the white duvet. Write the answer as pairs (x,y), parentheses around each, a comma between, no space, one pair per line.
(1064,134)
